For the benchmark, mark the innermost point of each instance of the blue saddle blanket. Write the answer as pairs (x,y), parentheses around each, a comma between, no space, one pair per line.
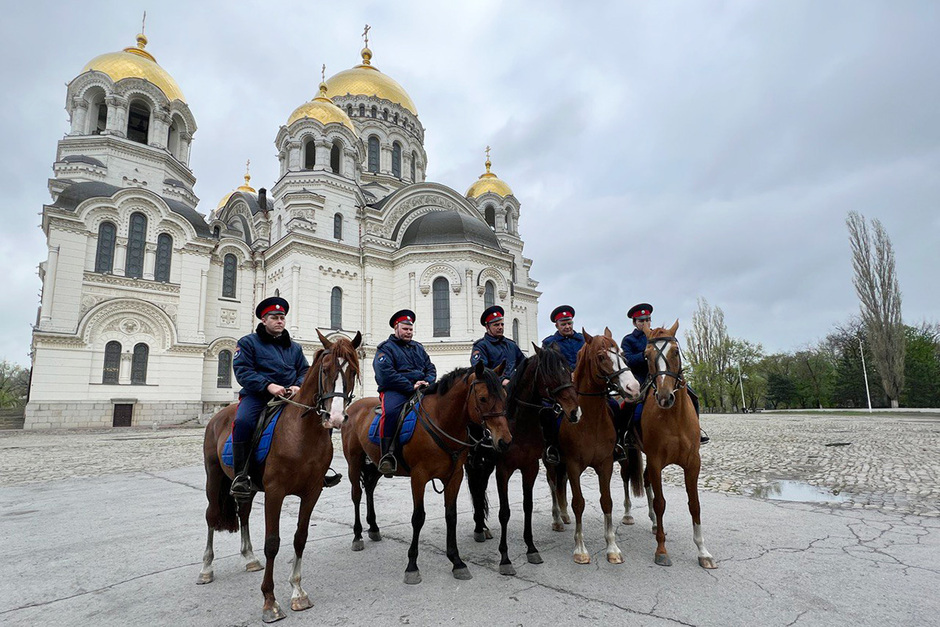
(264,445)
(407,427)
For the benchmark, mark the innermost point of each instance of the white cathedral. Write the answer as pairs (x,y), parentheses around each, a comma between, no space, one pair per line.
(144,297)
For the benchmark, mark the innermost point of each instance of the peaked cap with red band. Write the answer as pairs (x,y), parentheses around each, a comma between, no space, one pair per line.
(562,312)
(643,310)
(492,314)
(404,315)
(275,304)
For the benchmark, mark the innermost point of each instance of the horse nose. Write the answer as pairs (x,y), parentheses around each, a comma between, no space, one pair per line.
(502,445)
(575,416)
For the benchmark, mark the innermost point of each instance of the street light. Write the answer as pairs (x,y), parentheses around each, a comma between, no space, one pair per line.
(861,350)
(741,383)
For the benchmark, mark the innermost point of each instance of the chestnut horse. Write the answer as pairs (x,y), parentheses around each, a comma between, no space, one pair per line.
(540,386)
(669,434)
(436,451)
(301,451)
(600,369)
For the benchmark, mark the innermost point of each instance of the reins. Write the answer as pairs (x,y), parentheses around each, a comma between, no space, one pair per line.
(321,398)
(661,352)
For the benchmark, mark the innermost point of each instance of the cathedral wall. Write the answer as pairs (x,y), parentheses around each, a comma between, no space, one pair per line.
(67,282)
(187,320)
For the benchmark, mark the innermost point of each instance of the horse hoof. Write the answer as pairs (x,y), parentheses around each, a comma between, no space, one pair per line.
(273,614)
(375,536)
(663,560)
(488,534)
(507,569)
(253,566)
(707,562)
(556,526)
(615,558)
(627,520)
(582,558)
(358,545)
(413,577)
(534,558)
(301,603)
(479,536)
(205,578)
(565,518)
(462,573)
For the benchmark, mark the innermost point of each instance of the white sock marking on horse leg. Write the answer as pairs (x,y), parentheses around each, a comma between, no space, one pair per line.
(295,578)
(649,500)
(699,541)
(610,536)
(208,556)
(247,550)
(579,548)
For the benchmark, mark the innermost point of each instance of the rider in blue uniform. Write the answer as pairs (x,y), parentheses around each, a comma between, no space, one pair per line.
(494,347)
(568,342)
(267,363)
(401,366)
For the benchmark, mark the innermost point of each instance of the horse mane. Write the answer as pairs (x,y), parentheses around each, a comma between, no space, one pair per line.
(444,385)
(514,382)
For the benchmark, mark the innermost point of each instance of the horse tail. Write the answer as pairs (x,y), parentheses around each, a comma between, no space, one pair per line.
(477,478)
(222,515)
(635,470)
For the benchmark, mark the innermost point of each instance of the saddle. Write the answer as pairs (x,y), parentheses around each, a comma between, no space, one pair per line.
(260,443)
(407,421)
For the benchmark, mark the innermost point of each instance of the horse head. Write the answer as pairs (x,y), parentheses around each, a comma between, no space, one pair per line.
(606,362)
(337,368)
(665,364)
(553,380)
(488,404)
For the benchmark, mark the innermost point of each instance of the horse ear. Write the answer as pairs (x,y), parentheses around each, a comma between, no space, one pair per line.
(674,328)
(537,349)
(649,332)
(587,336)
(608,333)
(500,368)
(356,341)
(326,343)
(478,369)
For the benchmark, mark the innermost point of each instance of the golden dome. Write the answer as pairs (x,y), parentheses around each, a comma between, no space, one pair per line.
(489,182)
(322,109)
(366,80)
(136,63)
(246,188)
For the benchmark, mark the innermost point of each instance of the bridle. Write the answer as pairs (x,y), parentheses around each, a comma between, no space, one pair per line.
(661,352)
(436,431)
(611,382)
(322,398)
(548,395)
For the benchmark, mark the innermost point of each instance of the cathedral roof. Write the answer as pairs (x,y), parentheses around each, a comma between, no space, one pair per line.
(366,80)
(323,110)
(136,63)
(489,182)
(246,189)
(449,227)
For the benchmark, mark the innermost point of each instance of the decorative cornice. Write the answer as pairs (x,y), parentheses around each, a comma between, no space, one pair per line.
(142,285)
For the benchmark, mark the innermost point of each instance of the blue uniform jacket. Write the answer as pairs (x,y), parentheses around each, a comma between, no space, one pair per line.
(261,359)
(492,350)
(569,346)
(399,365)
(633,346)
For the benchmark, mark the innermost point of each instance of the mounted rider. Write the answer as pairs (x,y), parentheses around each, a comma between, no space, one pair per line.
(494,347)
(267,363)
(568,342)
(401,367)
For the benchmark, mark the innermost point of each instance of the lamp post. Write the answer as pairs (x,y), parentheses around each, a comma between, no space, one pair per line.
(861,350)
(741,383)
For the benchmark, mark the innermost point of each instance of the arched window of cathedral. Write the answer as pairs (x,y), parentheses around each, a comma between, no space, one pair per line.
(161,268)
(385,114)
(224,375)
(373,153)
(98,120)
(396,159)
(139,364)
(338,226)
(138,122)
(229,275)
(515,330)
(173,138)
(310,154)
(489,295)
(349,110)
(395,119)
(217,232)
(489,214)
(441,307)
(112,363)
(375,111)
(335,152)
(277,292)
(414,160)
(362,111)
(104,258)
(136,243)
(509,221)
(336,308)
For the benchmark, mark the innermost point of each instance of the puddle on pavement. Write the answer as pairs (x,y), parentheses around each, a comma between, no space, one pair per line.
(787,490)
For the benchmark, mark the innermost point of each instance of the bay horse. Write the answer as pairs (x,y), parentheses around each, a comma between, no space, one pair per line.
(300,454)
(540,386)
(436,451)
(590,443)
(669,434)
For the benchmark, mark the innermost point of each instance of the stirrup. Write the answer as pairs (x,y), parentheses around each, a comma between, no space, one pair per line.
(551,455)
(388,465)
(241,489)
(332,480)
(704,439)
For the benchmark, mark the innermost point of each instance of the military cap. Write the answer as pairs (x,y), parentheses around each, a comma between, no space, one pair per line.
(643,310)
(492,314)
(562,312)
(274,304)
(403,315)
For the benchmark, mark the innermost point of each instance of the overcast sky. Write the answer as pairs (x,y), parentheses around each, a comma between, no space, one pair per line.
(662,151)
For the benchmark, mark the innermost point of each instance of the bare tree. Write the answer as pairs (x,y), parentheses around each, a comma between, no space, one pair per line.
(880,297)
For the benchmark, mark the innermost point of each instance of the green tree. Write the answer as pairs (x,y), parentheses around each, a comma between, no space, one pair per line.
(922,367)
(14,385)
(708,351)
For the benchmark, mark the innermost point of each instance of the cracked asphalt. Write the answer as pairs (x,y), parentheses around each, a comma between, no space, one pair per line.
(107,528)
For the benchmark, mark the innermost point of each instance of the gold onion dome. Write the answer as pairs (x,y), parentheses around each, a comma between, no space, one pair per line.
(136,63)
(489,182)
(323,110)
(366,80)
(246,189)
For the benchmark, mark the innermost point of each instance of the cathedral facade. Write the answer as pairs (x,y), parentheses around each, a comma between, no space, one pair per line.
(144,296)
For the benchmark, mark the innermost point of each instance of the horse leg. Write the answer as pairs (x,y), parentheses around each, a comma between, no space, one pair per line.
(556,481)
(528,481)
(563,498)
(272,542)
(412,574)
(206,576)
(251,562)
(298,598)
(557,524)
(614,556)
(581,555)
(477,480)
(371,477)
(649,499)
(502,486)
(451,490)
(355,482)
(627,505)
(659,506)
(705,559)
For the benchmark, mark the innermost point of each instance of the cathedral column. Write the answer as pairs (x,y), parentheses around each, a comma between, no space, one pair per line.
(469,293)
(150,260)
(117,113)
(186,143)
(295,297)
(323,154)
(203,297)
(124,374)
(79,115)
(385,159)
(293,156)
(411,291)
(368,311)
(159,127)
(48,286)
(259,283)
(120,255)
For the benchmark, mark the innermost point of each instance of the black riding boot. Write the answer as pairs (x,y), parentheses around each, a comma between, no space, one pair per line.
(388,464)
(332,480)
(241,484)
